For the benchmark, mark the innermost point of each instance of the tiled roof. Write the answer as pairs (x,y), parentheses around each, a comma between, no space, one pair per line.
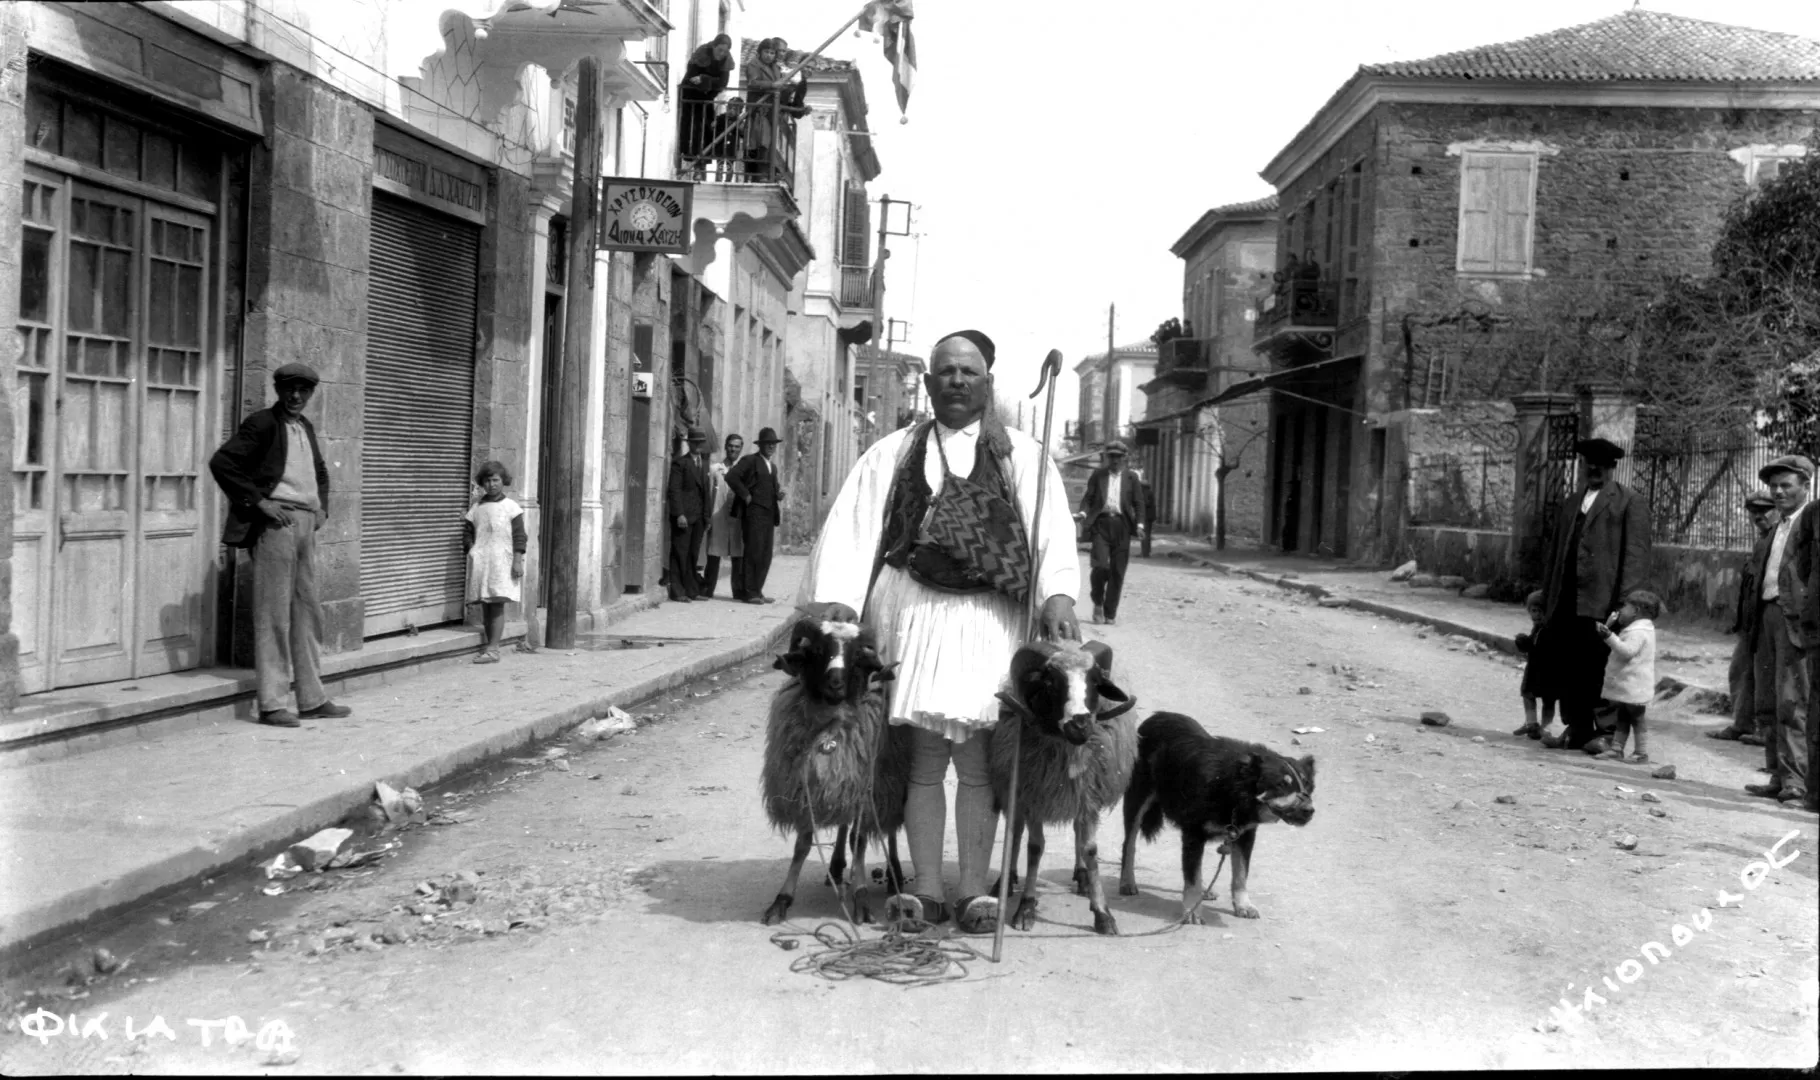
(1255,206)
(1635,44)
(748,48)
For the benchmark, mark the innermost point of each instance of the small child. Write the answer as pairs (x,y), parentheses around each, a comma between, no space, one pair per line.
(494,535)
(1630,673)
(1536,685)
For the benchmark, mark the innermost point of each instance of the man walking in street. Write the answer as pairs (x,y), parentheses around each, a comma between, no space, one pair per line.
(724,540)
(1113,507)
(1752,676)
(1599,555)
(686,498)
(951,622)
(1785,618)
(278,498)
(758,494)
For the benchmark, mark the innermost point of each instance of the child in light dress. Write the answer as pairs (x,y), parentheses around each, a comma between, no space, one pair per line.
(494,532)
(1630,672)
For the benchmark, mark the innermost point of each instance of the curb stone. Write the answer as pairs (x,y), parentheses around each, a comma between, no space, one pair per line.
(1704,697)
(66,914)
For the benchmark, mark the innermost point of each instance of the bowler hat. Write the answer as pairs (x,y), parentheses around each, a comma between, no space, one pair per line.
(295,373)
(1795,463)
(697,435)
(1599,451)
(1116,446)
(1760,499)
(767,435)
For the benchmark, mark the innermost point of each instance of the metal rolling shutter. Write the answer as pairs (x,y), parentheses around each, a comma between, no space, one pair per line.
(419,415)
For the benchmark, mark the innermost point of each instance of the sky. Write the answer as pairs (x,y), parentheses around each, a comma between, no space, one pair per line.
(1052,156)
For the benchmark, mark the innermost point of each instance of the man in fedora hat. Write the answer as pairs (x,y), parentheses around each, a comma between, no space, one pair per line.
(1599,554)
(1113,509)
(757,495)
(1752,679)
(278,498)
(686,499)
(1786,622)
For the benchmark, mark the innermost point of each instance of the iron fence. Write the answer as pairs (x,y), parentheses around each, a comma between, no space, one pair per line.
(1696,485)
(1473,489)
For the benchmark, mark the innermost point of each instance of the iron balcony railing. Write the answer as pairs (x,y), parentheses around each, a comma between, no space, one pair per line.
(1298,302)
(856,286)
(742,137)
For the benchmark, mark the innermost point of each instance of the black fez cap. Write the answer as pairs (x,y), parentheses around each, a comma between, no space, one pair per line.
(1599,451)
(980,342)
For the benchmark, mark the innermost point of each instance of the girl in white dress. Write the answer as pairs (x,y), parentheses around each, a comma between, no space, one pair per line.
(495,537)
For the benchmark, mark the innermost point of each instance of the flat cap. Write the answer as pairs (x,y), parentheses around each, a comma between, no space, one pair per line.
(295,373)
(1760,499)
(1599,451)
(1795,463)
(1116,446)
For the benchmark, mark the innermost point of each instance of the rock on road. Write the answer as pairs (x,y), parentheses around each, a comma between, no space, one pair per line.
(1418,922)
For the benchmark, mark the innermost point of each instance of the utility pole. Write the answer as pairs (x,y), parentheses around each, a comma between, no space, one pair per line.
(563,517)
(1106,395)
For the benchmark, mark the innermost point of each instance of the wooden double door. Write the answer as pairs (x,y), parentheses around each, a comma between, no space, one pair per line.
(111,438)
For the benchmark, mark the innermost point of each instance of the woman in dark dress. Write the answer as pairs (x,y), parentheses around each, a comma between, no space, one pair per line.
(710,69)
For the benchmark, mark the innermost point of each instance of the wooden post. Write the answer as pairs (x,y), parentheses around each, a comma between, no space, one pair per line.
(563,516)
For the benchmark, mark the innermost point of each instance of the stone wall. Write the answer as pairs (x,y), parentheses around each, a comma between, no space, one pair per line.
(1481,556)
(13,18)
(311,194)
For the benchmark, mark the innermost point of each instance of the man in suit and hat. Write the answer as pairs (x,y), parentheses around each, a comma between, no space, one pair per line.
(1786,622)
(686,497)
(278,498)
(1113,509)
(1599,554)
(1752,678)
(757,494)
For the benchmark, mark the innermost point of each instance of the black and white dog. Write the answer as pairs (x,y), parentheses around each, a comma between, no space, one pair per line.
(1209,788)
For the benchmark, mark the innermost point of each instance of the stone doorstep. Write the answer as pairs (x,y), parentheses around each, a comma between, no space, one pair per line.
(1665,683)
(55,722)
(40,921)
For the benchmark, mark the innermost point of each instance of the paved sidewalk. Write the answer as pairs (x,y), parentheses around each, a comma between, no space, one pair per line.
(1689,657)
(91,833)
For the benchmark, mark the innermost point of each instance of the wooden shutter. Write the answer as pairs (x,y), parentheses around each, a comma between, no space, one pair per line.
(1495,210)
(419,415)
(857,231)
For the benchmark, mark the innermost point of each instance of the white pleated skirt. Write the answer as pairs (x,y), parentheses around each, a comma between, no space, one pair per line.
(953,650)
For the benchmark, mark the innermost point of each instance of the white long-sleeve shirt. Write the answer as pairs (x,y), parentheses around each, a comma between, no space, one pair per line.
(840,568)
(1630,671)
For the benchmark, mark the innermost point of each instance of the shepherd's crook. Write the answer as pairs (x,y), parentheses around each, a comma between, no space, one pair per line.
(1052,367)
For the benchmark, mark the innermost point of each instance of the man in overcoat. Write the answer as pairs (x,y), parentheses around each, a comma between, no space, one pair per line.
(1600,552)
(278,498)
(686,499)
(1786,619)
(1113,508)
(1751,679)
(757,492)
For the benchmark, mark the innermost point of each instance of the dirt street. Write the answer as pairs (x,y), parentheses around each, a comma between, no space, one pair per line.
(1454,884)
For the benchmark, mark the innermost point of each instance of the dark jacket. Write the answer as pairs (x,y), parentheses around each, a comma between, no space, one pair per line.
(1613,558)
(753,485)
(1131,498)
(1795,580)
(716,74)
(249,466)
(1750,586)
(687,491)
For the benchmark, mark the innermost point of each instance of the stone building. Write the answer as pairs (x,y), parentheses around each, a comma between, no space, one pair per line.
(1209,456)
(200,193)
(1438,215)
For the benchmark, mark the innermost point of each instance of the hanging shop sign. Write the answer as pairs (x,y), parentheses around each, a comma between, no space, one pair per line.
(646,215)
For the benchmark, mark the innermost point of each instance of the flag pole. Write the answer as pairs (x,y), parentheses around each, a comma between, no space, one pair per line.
(804,62)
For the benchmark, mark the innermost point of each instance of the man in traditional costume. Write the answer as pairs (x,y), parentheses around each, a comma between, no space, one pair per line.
(950,611)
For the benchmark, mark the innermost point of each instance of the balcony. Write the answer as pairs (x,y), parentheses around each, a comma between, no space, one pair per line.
(744,137)
(1299,314)
(1184,362)
(856,287)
